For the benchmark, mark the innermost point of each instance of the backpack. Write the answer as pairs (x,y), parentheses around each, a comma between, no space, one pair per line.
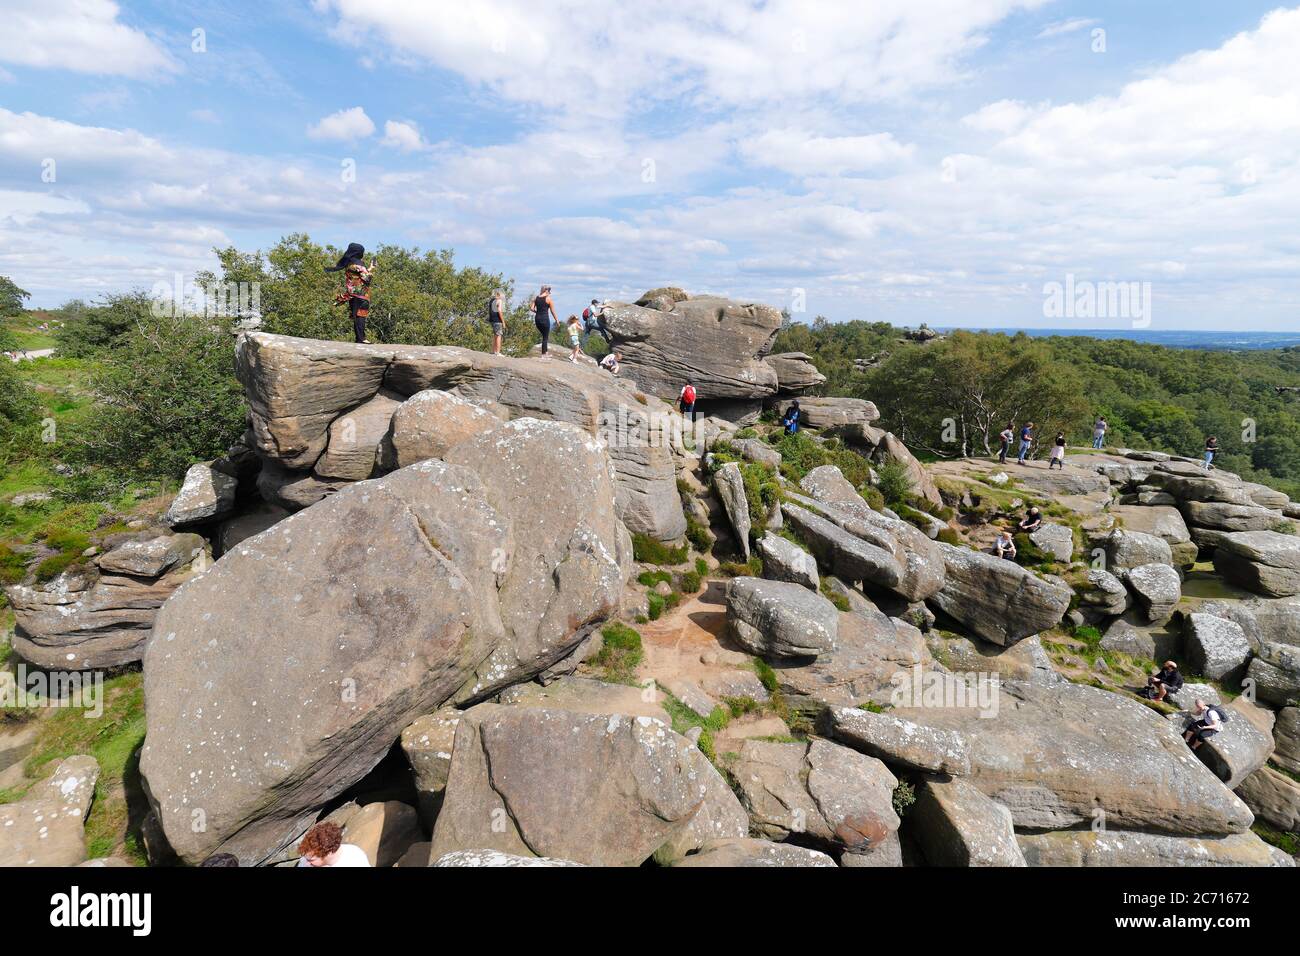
(688,395)
(1223,713)
(490,314)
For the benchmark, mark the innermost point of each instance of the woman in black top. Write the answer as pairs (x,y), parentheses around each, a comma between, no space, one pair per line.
(543,310)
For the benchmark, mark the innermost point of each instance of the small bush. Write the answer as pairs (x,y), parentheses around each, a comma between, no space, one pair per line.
(839,600)
(655,604)
(949,536)
(650,578)
(904,797)
(894,482)
(620,653)
(698,535)
(692,581)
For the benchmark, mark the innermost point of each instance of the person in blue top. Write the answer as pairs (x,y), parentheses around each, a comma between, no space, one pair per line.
(791,418)
(1026,441)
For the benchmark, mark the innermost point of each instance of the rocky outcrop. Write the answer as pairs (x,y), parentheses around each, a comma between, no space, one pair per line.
(1122,848)
(1265,562)
(729,485)
(751,852)
(716,344)
(795,372)
(91,618)
(1241,747)
(314,644)
(922,485)
(302,395)
(1056,753)
(818,791)
(207,494)
(1275,669)
(1274,798)
(824,413)
(777,619)
(1216,647)
(957,825)
(784,560)
(1156,589)
(900,741)
(1132,549)
(997,599)
(605,790)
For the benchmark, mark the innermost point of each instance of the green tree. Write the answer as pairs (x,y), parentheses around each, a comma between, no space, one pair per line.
(11,297)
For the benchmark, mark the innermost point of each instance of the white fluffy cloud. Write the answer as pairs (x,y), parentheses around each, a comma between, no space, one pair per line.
(81,35)
(345,125)
(403,136)
(798,152)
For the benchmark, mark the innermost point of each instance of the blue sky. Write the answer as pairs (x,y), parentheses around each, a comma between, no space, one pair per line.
(914,161)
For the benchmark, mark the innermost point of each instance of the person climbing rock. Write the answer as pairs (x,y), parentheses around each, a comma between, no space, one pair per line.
(496,316)
(356,287)
(1058,453)
(543,310)
(593,320)
(686,401)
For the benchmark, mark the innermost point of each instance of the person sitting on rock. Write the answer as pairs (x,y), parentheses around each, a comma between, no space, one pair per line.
(1032,521)
(790,420)
(1164,682)
(1005,546)
(1058,453)
(323,845)
(610,362)
(1206,725)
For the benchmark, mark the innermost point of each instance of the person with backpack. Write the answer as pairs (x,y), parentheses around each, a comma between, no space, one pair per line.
(1211,446)
(1026,442)
(686,401)
(356,287)
(790,420)
(544,316)
(1006,436)
(1099,428)
(496,316)
(1209,721)
(1164,682)
(593,320)
(1058,453)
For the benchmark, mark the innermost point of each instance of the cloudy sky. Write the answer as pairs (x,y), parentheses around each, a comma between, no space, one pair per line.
(915,161)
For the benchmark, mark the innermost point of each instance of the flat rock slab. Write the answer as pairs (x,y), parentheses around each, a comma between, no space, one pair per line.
(1122,848)
(900,741)
(751,852)
(957,825)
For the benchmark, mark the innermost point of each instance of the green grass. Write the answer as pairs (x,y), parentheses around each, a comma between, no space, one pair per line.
(114,740)
(650,578)
(1286,842)
(649,551)
(620,654)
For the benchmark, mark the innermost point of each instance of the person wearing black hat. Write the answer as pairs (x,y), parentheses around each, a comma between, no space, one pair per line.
(791,418)
(356,287)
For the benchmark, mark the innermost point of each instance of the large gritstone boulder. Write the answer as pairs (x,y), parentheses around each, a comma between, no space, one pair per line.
(92,618)
(605,790)
(836,412)
(1161,521)
(286,672)
(900,741)
(1123,848)
(795,372)
(1274,798)
(207,494)
(778,619)
(957,825)
(997,599)
(1055,754)
(1156,588)
(716,344)
(783,560)
(833,796)
(1275,669)
(1265,562)
(751,852)
(336,406)
(729,484)
(1216,647)
(1241,747)
(1132,549)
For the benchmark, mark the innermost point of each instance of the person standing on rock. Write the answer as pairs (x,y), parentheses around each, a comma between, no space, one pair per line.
(1099,428)
(574,325)
(356,287)
(543,310)
(1058,453)
(496,316)
(687,401)
(1026,442)
(1211,446)
(1006,435)
(593,320)
(791,418)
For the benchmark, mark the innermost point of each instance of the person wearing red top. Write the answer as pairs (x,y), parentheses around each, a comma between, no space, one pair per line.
(356,287)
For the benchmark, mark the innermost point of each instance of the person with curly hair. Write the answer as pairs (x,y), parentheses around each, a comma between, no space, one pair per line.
(323,845)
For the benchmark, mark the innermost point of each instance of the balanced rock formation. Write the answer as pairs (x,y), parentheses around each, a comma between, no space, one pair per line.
(287,671)
(341,407)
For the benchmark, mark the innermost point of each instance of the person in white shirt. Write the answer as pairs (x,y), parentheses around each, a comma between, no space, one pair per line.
(1207,724)
(1005,546)
(610,362)
(323,845)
